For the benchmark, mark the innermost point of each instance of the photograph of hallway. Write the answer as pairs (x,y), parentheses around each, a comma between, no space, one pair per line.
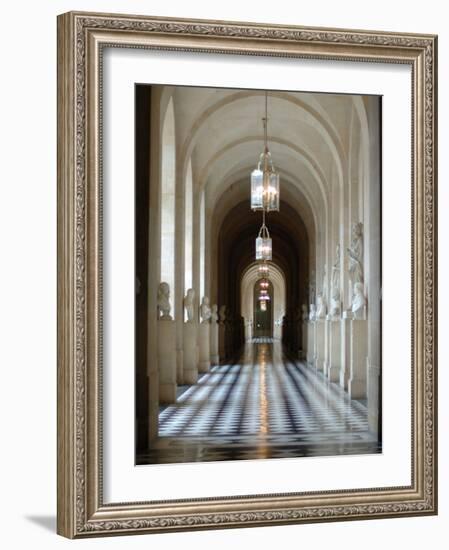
(258,274)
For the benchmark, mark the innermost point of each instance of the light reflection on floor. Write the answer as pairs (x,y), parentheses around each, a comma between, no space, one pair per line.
(265,406)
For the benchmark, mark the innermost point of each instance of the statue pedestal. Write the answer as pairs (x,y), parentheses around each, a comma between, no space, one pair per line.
(311,343)
(334,350)
(204,346)
(327,324)
(304,339)
(222,340)
(179,366)
(372,384)
(359,346)
(248,331)
(214,355)
(320,343)
(345,351)
(190,367)
(166,353)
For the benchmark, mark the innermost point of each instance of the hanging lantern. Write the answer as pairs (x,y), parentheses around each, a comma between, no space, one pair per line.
(264,179)
(265,185)
(263,244)
(263,272)
(264,295)
(264,283)
(257,189)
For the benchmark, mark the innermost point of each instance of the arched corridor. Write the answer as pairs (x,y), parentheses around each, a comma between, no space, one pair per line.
(258,328)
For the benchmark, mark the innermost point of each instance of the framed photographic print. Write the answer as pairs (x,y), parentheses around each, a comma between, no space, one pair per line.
(246,276)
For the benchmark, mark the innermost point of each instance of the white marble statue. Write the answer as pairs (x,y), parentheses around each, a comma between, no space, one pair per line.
(312,312)
(305,313)
(205,310)
(163,301)
(214,313)
(312,287)
(189,305)
(324,285)
(355,252)
(358,302)
(222,314)
(321,306)
(335,302)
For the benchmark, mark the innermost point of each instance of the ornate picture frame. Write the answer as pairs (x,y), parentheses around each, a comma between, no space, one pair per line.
(82,38)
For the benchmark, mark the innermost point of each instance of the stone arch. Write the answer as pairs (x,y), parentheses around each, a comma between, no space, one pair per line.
(249,277)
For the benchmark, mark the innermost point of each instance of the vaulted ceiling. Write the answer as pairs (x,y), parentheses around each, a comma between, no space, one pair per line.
(221,130)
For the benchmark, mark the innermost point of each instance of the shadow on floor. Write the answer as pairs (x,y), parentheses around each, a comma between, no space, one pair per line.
(46,522)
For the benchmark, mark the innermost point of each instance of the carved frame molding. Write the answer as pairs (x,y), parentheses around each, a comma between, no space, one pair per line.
(81,38)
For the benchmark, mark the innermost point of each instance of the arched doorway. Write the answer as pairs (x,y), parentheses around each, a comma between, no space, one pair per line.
(263,297)
(278,298)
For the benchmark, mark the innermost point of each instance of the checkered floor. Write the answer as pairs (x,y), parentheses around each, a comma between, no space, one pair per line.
(266,406)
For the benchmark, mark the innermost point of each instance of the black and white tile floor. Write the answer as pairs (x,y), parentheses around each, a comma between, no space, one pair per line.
(266,406)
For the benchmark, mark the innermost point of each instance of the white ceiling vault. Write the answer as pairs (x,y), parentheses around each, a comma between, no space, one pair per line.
(221,131)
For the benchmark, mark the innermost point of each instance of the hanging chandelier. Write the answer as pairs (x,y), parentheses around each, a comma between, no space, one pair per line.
(265,179)
(264,297)
(264,284)
(263,271)
(263,243)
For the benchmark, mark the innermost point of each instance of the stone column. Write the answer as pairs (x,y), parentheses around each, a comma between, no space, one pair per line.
(248,330)
(214,355)
(327,325)
(334,361)
(299,338)
(311,343)
(167,360)
(345,351)
(320,343)
(222,340)
(229,333)
(190,368)
(304,339)
(204,346)
(372,385)
(179,365)
(359,346)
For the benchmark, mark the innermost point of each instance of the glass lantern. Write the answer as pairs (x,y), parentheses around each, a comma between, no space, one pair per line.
(263,244)
(265,185)
(264,179)
(264,283)
(257,189)
(263,271)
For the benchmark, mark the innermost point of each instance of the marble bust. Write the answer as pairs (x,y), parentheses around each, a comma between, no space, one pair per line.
(214,313)
(358,302)
(189,305)
(335,308)
(312,312)
(321,308)
(312,288)
(205,310)
(305,314)
(222,314)
(163,301)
